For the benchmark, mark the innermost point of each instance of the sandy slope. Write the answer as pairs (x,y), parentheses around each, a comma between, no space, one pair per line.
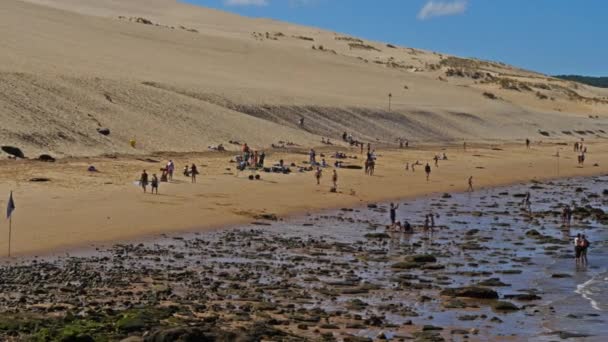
(71,66)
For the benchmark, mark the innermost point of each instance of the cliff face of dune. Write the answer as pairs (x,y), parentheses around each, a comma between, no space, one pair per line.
(179,78)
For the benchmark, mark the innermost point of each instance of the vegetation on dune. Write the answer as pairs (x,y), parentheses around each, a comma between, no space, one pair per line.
(601,82)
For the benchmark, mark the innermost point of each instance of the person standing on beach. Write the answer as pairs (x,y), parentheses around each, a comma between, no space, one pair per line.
(143,180)
(318,175)
(471,184)
(527,143)
(393,213)
(584,246)
(154,184)
(193,172)
(427,169)
(527,203)
(334,179)
(577,248)
(436,160)
(170,169)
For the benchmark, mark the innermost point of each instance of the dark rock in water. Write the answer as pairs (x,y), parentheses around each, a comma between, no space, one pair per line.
(492,282)
(46,158)
(505,306)
(377,236)
(372,206)
(471,292)
(566,335)
(13,151)
(431,328)
(472,232)
(103,131)
(522,297)
(446,195)
(533,233)
(422,258)
(561,275)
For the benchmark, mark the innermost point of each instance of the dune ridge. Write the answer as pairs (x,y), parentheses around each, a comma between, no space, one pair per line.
(187,77)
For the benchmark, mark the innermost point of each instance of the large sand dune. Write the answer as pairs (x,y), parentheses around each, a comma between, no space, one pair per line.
(183,77)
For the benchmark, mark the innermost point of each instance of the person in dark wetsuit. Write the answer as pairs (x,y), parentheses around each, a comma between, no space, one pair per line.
(143,180)
(427,169)
(393,213)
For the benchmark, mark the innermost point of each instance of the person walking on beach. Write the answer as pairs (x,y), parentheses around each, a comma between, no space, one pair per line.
(427,169)
(193,173)
(334,179)
(527,143)
(436,160)
(471,184)
(154,184)
(318,175)
(393,213)
(143,180)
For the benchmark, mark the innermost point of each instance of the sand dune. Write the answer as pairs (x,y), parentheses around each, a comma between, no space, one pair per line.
(193,76)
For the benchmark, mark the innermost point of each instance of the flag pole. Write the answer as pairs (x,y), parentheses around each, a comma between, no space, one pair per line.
(10,228)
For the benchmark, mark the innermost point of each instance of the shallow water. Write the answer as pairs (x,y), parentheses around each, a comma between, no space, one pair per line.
(320,259)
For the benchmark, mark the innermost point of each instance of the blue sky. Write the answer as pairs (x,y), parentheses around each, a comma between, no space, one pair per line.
(550,36)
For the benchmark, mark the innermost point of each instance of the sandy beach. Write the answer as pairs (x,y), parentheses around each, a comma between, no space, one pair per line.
(80,208)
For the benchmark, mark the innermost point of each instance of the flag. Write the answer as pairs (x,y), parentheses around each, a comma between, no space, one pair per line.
(10,207)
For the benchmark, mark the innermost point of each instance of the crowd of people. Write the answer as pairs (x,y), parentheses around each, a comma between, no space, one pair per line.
(254,159)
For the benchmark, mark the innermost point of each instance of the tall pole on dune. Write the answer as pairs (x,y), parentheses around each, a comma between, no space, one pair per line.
(10,229)
(390,96)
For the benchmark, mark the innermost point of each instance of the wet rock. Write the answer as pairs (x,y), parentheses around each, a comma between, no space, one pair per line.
(523,297)
(505,306)
(422,258)
(492,282)
(471,292)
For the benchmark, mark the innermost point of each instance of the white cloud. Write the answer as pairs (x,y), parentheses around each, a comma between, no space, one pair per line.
(246,2)
(441,8)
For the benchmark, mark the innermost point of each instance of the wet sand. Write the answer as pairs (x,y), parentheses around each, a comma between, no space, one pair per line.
(338,275)
(77,208)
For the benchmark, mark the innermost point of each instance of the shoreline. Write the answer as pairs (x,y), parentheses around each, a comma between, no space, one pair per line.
(329,262)
(227,190)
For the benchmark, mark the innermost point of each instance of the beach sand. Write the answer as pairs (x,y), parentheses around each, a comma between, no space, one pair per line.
(79,208)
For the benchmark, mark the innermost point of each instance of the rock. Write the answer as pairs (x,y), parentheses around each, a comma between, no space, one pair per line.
(446,195)
(505,306)
(357,339)
(422,258)
(533,233)
(39,180)
(566,335)
(103,131)
(179,334)
(492,282)
(133,339)
(522,297)
(13,151)
(377,236)
(471,292)
(561,275)
(431,328)
(46,158)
